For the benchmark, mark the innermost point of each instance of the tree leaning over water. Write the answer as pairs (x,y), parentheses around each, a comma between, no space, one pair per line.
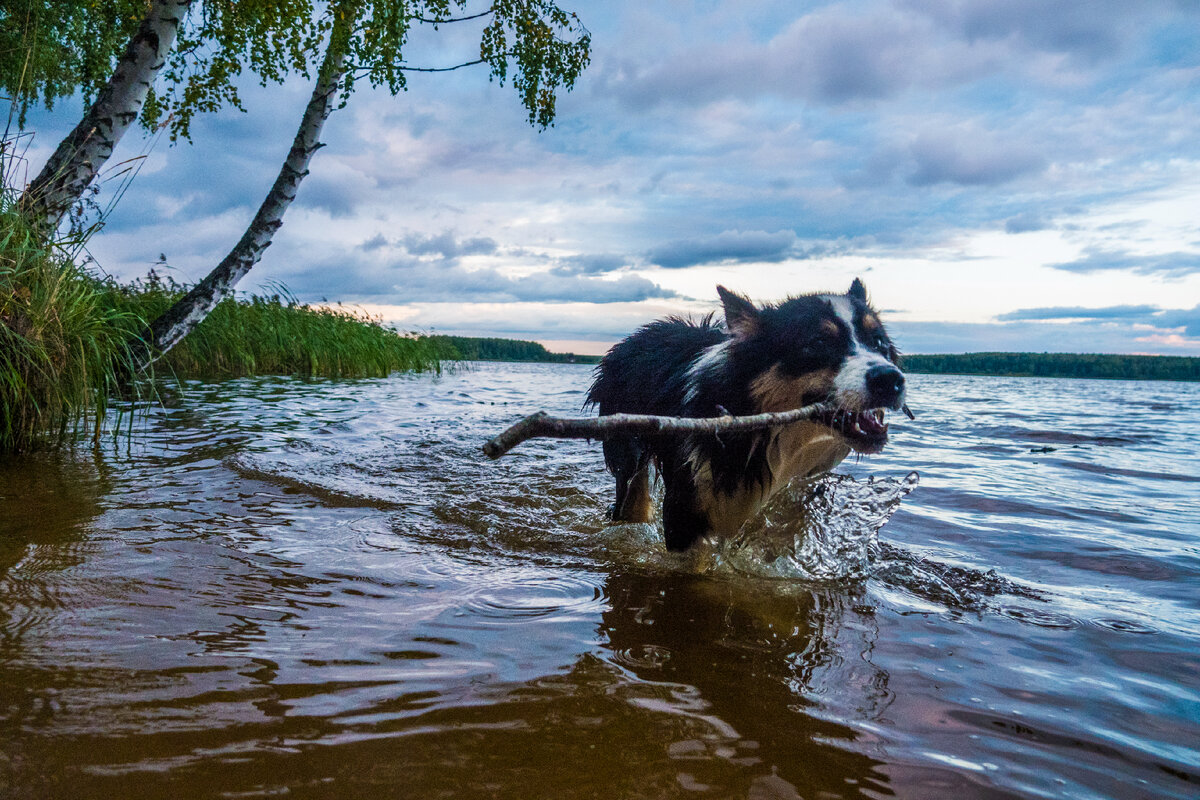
(74,164)
(119,56)
(542,45)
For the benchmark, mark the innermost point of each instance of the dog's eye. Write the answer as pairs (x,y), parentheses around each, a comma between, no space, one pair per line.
(881,343)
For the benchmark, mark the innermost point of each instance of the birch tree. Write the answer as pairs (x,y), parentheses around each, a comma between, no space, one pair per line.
(128,71)
(73,165)
(536,45)
(188,312)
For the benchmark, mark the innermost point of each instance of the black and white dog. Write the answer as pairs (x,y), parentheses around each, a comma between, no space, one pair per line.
(828,348)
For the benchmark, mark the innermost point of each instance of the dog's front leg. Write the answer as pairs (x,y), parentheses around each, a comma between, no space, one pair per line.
(684,521)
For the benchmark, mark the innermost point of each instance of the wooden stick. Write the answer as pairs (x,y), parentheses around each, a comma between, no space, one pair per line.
(612,426)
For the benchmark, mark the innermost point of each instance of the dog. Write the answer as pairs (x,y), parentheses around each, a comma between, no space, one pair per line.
(828,348)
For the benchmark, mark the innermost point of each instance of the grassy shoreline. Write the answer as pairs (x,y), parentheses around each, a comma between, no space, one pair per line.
(65,341)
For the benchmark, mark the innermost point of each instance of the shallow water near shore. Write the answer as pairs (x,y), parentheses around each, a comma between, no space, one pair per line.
(324,589)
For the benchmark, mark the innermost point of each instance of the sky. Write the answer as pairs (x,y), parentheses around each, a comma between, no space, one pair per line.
(1013,175)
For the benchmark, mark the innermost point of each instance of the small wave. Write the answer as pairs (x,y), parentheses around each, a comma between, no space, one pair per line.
(955,587)
(1107,469)
(1017,433)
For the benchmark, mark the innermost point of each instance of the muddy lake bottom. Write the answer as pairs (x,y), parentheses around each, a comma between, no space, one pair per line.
(323,589)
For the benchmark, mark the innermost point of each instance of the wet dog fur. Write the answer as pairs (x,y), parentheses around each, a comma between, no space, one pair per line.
(830,348)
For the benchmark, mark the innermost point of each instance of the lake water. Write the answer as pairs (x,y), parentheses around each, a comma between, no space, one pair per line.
(323,589)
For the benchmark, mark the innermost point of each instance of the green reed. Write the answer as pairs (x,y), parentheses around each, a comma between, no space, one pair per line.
(62,346)
(65,340)
(277,335)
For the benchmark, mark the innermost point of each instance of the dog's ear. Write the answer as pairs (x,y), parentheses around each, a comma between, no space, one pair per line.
(741,317)
(857,290)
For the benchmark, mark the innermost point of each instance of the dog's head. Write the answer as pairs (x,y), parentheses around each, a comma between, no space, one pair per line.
(827,348)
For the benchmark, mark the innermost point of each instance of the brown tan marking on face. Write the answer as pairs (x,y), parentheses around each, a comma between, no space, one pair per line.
(871,323)
(829,327)
(775,391)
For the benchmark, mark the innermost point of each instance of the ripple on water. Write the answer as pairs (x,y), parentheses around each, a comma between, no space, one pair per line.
(1042,618)
(518,596)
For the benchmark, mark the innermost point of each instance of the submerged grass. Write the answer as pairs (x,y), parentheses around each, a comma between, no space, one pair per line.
(65,340)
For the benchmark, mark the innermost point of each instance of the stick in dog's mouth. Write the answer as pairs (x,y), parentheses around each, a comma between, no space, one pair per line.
(865,431)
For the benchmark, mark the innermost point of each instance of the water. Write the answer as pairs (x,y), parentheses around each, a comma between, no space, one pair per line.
(324,589)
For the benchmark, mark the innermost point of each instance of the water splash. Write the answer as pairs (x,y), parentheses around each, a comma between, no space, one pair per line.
(818,530)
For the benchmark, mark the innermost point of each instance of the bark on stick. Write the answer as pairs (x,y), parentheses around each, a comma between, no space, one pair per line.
(614,426)
(79,156)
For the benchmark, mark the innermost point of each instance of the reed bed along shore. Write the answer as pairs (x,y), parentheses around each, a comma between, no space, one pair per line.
(66,335)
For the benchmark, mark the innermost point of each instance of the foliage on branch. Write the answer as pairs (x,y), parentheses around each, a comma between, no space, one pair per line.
(51,49)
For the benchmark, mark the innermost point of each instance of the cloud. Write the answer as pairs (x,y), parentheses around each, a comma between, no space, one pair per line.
(1077,312)
(447,245)
(726,247)
(831,56)
(1089,30)
(970,158)
(413,280)
(1163,265)
(596,264)
(1085,336)
(1187,319)
(1025,222)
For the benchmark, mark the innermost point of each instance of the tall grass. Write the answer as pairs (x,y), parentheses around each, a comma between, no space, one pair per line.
(65,340)
(276,335)
(62,346)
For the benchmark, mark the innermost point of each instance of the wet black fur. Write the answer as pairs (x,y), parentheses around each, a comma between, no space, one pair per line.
(648,373)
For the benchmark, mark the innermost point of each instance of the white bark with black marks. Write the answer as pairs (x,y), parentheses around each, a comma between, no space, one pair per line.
(190,310)
(79,157)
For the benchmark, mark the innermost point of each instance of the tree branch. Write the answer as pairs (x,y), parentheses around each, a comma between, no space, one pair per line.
(366,70)
(614,426)
(454,19)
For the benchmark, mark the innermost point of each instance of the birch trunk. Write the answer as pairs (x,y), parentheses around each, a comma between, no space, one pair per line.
(190,310)
(83,152)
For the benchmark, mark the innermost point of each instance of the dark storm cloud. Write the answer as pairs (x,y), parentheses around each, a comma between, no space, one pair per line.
(1163,265)
(724,248)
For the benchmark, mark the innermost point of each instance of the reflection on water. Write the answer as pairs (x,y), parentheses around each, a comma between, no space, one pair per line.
(325,590)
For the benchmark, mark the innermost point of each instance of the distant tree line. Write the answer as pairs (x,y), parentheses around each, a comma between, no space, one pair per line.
(1059,365)
(474,349)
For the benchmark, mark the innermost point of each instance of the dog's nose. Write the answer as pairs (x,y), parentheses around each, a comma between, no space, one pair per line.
(885,386)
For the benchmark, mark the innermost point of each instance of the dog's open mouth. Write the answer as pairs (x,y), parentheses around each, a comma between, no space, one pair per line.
(865,431)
